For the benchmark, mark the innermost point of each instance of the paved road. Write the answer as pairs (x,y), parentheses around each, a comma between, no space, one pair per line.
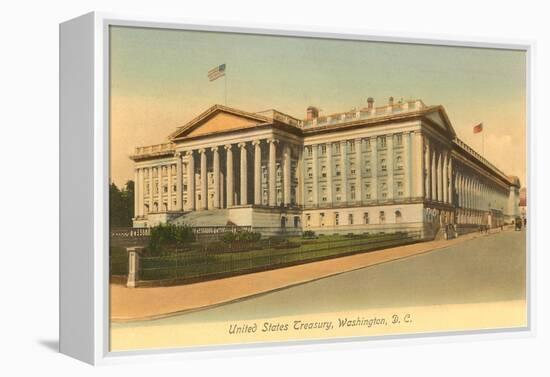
(490,268)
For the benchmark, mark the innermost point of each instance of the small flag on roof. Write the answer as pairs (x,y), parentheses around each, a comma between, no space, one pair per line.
(216,73)
(478,128)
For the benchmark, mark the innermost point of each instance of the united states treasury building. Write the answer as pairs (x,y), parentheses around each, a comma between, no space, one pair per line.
(388,168)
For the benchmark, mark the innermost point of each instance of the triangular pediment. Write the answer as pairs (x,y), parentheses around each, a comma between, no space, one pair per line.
(441,120)
(218,119)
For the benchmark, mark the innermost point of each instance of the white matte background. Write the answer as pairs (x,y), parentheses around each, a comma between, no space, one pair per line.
(29,185)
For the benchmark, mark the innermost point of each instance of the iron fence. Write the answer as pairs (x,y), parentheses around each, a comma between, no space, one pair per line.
(244,257)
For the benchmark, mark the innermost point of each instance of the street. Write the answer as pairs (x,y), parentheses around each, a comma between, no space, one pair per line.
(486,269)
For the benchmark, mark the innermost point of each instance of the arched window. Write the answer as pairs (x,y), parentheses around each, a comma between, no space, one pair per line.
(398,216)
(382,217)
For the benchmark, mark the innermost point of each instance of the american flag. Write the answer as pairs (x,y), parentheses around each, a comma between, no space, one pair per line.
(216,73)
(478,128)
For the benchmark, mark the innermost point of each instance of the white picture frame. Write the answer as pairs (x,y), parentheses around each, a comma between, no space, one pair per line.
(84,162)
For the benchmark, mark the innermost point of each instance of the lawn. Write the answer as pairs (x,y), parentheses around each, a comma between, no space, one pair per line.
(203,262)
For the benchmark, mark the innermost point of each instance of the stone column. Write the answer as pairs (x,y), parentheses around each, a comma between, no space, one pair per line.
(272,176)
(407,164)
(328,162)
(433,177)
(221,187)
(427,162)
(190,181)
(374,167)
(160,193)
(286,175)
(230,190)
(451,182)
(440,177)
(216,168)
(444,178)
(359,170)
(344,170)
(244,175)
(140,198)
(257,172)
(169,170)
(204,180)
(179,181)
(300,176)
(136,192)
(389,166)
(468,193)
(151,189)
(315,173)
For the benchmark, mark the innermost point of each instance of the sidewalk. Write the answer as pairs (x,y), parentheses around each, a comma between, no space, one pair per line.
(130,304)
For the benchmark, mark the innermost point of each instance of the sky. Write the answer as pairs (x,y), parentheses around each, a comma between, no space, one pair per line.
(159,82)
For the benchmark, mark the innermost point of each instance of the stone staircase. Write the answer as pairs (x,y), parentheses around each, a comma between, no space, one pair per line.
(213,217)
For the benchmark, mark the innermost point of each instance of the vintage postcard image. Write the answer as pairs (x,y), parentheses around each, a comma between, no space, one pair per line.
(273,188)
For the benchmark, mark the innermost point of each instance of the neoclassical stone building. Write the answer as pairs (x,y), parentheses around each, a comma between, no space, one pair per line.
(395,167)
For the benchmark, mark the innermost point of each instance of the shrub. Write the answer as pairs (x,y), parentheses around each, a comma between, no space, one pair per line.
(287,245)
(308,234)
(242,236)
(169,234)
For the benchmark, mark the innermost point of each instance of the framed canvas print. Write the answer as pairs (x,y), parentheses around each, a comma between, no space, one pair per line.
(240,187)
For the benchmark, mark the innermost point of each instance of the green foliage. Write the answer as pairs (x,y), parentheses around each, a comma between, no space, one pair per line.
(308,234)
(287,245)
(121,205)
(169,234)
(243,236)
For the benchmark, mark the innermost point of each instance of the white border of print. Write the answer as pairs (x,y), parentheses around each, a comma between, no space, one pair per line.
(102,355)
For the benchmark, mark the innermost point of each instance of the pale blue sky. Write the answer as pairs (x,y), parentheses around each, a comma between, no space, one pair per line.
(158,82)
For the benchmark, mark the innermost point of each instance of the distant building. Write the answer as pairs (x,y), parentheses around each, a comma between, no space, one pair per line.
(395,167)
(523,203)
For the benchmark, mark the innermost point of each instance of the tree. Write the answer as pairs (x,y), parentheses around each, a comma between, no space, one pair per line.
(121,205)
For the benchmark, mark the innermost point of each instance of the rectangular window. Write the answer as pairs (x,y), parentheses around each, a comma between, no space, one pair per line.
(366,217)
(323,171)
(383,165)
(310,172)
(323,149)
(382,217)
(352,146)
(337,169)
(381,141)
(336,218)
(350,219)
(399,139)
(337,147)
(352,168)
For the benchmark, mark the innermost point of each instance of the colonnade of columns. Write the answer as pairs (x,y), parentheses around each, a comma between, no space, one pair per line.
(205,178)
(477,196)
(154,188)
(438,176)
